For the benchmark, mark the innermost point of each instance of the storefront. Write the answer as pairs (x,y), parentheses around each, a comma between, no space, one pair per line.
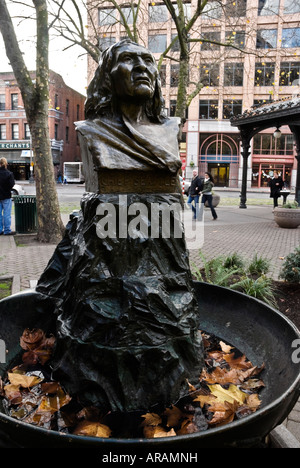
(18,157)
(272,154)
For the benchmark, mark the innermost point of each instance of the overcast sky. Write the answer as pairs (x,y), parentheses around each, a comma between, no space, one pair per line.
(69,64)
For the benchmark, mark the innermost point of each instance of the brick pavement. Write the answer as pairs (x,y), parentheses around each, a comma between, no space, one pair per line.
(245,231)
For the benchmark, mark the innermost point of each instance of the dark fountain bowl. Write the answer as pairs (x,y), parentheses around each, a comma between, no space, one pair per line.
(263,334)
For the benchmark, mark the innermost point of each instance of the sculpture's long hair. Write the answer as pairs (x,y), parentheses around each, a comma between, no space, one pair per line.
(100,94)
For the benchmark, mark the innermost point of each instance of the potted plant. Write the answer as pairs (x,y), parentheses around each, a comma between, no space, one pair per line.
(288,215)
(215,200)
(192,164)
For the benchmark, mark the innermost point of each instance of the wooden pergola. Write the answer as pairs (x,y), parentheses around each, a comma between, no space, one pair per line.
(258,118)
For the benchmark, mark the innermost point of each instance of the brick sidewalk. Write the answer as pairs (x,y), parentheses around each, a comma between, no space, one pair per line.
(245,231)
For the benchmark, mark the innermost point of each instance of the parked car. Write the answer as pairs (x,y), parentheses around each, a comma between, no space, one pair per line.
(17,190)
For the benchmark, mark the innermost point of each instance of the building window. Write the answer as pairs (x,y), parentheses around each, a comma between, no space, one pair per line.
(208,109)
(289,74)
(264,143)
(212,10)
(56,101)
(210,36)
(291,6)
(233,74)
(264,74)
(157,13)
(129,14)
(186,9)
(290,37)
(157,43)
(172,108)
(2,132)
(236,38)
(236,8)
(107,16)
(209,75)
(174,76)
(266,39)
(268,7)
(67,134)
(15,131)
(26,131)
(162,73)
(2,101)
(77,112)
(67,106)
(56,132)
(105,42)
(14,101)
(231,107)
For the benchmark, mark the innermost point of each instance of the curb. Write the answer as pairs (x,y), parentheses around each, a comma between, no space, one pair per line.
(281,437)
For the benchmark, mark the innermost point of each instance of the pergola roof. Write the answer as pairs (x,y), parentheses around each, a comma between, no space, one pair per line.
(258,118)
(271,114)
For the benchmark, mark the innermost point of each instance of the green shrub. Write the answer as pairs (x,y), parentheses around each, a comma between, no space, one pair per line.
(234,261)
(290,270)
(259,288)
(259,266)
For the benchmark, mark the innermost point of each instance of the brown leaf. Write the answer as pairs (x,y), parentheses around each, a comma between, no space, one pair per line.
(187,427)
(31,339)
(238,363)
(174,415)
(22,380)
(151,419)
(92,429)
(225,348)
(153,432)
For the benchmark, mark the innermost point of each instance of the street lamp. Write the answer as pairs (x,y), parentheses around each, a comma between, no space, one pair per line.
(277,133)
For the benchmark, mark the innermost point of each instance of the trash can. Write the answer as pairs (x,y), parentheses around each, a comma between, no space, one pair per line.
(25,213)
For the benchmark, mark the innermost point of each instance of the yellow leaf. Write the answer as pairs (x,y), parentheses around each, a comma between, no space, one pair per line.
(231,395)
(23,380)
(151,432)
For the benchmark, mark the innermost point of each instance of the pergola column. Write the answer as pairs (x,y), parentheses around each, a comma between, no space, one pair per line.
(296,132)
(245,155)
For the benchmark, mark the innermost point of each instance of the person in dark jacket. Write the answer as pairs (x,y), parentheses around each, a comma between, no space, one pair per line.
(208,185)
(7,182)
(276,184)
(194,193)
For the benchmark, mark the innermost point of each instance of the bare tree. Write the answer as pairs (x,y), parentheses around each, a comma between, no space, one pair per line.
(35,95)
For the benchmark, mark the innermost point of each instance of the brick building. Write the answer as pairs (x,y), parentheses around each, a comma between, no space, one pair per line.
(65,107)
(233,81)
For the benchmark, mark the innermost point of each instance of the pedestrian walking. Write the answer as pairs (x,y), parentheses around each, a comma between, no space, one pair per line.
(208,185)
(7,182)
(194,193)
(276,184)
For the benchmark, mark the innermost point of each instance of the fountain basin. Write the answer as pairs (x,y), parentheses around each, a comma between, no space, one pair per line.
(263,334)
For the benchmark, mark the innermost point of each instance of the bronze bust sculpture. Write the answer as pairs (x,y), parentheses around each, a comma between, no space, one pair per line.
(127,315)
(126,129)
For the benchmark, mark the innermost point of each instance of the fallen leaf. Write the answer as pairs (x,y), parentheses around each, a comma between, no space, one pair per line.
(92,429)
(230,395)
(225,348)
(31,339)
(174,415)
(22,380)
(151,419)
(151,432)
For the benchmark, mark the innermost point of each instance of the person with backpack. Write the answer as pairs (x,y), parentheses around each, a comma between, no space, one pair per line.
(7,182)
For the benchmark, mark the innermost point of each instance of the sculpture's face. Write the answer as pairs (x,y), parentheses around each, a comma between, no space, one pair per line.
(134,72)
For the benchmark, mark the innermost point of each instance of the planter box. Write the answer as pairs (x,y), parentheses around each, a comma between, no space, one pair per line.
(287,217)
(215,201)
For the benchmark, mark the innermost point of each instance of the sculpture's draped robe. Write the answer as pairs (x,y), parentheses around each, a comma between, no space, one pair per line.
(127,317)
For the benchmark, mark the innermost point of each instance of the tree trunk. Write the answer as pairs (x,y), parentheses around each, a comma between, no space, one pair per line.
(36,100)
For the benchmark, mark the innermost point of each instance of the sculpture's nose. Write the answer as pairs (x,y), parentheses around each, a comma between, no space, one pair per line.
(140,63)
